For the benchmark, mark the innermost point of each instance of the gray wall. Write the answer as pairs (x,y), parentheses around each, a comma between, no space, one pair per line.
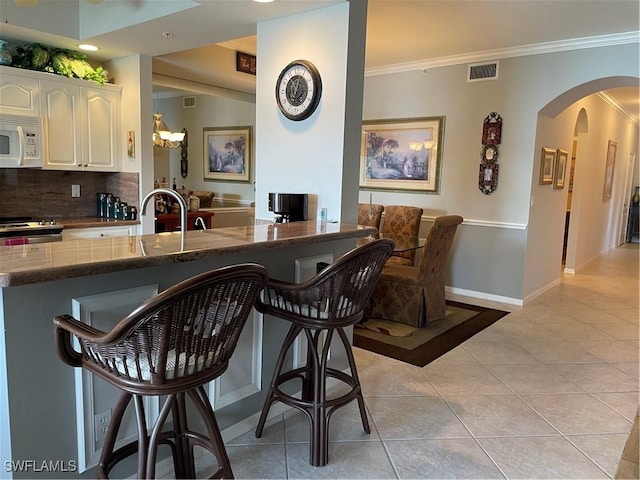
(510,246)
(210,111)
(499,254)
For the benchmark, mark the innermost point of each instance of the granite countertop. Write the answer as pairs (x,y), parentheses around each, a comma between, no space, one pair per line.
(89,222)
(43,262)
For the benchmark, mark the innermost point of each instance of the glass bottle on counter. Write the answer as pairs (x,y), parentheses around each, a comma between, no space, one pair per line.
(115,211)
(109,205)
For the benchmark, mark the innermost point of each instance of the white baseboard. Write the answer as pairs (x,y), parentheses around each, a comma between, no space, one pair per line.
(453,291)
(541,290)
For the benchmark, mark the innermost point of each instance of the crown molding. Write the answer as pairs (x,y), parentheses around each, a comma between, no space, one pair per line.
(617,107)
(521,51)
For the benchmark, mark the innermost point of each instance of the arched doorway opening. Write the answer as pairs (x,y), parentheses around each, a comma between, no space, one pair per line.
(580,120)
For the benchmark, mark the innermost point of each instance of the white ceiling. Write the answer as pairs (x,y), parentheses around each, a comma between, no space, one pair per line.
(400,34)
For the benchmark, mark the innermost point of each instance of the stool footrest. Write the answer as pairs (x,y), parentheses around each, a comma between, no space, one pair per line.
(304,403)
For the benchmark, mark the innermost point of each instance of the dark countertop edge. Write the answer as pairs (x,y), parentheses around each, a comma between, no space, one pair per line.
(15,279)
(91,222)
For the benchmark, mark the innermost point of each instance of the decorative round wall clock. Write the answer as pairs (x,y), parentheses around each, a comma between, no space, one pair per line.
(298,90)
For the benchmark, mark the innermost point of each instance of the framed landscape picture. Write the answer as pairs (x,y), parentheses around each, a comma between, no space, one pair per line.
(402,154)
(547,165)
(227,153)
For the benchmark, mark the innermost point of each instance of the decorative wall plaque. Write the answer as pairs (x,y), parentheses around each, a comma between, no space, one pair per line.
(184,162)
(492,129)
(488,178)
(491,137)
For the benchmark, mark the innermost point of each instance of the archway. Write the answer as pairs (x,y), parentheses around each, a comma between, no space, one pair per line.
(594,221)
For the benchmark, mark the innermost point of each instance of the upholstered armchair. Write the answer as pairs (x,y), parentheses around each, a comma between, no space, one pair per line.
(401,221)
(370,214)
(415,294)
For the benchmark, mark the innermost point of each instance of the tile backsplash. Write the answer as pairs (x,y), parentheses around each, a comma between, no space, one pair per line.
(47,193)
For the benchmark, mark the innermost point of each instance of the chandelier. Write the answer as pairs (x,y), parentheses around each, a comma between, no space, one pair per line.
(163,137)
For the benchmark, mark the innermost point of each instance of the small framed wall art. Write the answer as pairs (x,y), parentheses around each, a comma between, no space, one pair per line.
(246,63)
(547,166)
(609,167)
(227,153)
(562,157)
(492,129)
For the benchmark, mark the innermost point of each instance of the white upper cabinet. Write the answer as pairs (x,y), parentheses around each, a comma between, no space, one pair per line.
(61,120)
(81,126)
(18,94)
(100,111)
(80,120)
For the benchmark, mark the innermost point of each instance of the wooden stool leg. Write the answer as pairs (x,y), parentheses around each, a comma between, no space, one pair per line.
(215,442)
(107,461)
(143,439)
(183,446)
(271,397)
(151,450)
(319,441)
(356,380)
(179,468)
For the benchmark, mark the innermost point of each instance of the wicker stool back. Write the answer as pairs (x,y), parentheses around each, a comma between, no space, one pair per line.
(171,345)
(333,299)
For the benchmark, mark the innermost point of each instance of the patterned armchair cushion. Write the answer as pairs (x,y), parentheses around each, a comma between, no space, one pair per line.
(401,220)
(370,215)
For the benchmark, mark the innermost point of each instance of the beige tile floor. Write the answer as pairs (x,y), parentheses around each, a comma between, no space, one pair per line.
(549,391)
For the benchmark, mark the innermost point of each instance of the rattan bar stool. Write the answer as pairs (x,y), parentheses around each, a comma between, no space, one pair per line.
(326,304)
(172,345)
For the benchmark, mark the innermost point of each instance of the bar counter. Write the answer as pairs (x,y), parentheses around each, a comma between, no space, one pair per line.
(27,264)
(48,409)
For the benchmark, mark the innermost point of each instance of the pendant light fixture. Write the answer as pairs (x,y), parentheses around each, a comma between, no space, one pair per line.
(163,137)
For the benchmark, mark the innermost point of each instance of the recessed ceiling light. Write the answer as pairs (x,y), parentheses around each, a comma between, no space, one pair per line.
(263,1)
(87,47)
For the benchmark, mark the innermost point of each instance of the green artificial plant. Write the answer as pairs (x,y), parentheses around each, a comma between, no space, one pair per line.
(60,61)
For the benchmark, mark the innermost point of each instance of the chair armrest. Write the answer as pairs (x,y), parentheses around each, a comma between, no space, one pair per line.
(314,299)
(64,327)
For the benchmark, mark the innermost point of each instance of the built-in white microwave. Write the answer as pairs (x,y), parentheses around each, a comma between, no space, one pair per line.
(20,141)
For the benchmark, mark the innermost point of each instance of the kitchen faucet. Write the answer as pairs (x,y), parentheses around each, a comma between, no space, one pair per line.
(181,202)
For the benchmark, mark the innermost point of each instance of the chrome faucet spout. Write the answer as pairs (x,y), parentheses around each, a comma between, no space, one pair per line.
(181,202)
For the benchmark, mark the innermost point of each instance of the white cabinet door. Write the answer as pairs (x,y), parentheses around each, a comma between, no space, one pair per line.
(101,132)
(18,94)
(98,232)
(61,125)
(81,126)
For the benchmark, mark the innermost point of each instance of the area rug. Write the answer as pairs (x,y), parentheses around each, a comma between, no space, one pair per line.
(419,346)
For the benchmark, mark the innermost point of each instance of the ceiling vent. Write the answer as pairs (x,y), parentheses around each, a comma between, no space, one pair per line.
(482,71)
(189,102)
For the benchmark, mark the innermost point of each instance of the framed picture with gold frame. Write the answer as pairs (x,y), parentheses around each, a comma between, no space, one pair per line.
(562,156)
(547,166)
(227,153)
(402,154)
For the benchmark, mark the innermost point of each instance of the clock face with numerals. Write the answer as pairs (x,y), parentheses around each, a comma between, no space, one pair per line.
(298,90)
